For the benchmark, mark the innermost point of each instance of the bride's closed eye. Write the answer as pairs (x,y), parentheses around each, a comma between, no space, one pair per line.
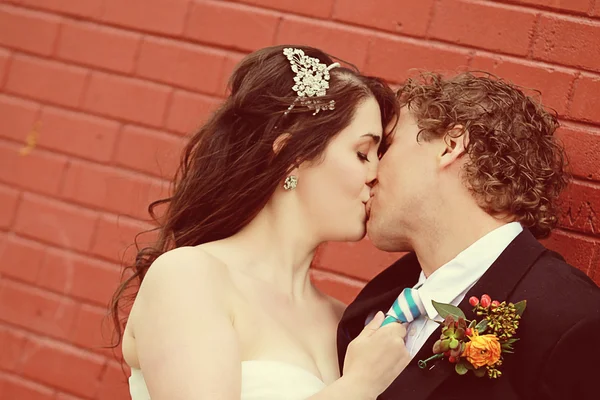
(362,156)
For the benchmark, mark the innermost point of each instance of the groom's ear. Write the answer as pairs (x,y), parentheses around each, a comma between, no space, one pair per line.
(456,141)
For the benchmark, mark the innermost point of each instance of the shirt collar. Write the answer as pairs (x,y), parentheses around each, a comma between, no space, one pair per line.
(462,272)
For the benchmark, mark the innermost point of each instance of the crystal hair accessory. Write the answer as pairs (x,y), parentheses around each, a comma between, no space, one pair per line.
(312,79)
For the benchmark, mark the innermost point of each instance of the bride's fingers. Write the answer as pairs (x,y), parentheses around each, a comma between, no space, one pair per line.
(373,325)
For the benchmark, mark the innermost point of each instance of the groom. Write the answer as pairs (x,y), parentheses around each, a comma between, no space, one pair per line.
(468,182)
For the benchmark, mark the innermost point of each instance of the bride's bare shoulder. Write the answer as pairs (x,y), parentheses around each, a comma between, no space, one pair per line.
(186,267)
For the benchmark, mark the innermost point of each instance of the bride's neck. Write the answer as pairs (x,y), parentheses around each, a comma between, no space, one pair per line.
(278,248)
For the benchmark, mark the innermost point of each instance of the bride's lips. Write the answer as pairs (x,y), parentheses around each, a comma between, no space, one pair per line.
(368,207)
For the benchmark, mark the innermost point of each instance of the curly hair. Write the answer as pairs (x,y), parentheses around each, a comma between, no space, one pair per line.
(515,167)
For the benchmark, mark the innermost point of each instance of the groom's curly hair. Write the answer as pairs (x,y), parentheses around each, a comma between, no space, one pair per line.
(516,167)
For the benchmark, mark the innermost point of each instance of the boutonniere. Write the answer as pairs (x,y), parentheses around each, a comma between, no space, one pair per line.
(477,346)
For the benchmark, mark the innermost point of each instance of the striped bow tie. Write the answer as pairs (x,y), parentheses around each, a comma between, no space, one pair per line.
(406,308)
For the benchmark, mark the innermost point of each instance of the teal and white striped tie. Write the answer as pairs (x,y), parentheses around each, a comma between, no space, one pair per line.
(406,308)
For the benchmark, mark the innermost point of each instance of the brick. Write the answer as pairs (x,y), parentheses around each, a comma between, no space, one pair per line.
(349,44)
(115,237)
(15,387)
(21,259)
(360,260)
(489,26)
(87,8)
(127,98)
(12,348)
(578,250)
(580,204)
(114,384)
(78,134)
(63,367)
(568,41)
(181,64)
(37,171)
(4,61)
(583,150)
(402,16)
(46,80)
(61,224)
(212,22)
(80,277)
(579,6)
(9,198)
(321,8)
(148,151)
(553,83)
(343,289)
(111,189)
(388,58)
(188,111)
(231,63)
(36,310)
(17,116)
(583,105)
(64,396)
(162,16)
(27,30)
(98,46)
(594,272)
(93,329)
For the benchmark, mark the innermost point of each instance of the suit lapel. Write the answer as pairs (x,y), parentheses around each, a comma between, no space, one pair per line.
(499,282)
(380,293)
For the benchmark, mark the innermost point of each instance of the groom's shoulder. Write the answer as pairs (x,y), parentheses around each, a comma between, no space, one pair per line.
(562,286)
(552,267)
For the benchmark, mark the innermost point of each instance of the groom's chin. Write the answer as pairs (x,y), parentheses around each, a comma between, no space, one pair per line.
(384,240)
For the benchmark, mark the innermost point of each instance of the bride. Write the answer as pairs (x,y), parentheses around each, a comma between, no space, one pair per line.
(224,307)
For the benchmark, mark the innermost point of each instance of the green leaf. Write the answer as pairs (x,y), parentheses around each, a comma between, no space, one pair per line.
(454,343)
(520,307)
(506,347)
(448,309)
(472,324)
(479,372)
(482,326)
(512,340)
(461,369)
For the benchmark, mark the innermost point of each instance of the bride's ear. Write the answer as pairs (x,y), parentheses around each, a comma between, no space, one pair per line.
(280,142)
(456,141)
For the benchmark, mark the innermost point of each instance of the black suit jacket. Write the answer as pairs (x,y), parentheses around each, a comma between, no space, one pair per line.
(557,356)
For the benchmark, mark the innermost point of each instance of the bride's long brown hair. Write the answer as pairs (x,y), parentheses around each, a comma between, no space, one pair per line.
(228,170)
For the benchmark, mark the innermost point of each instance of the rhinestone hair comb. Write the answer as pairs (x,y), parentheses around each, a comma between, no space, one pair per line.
(311,80)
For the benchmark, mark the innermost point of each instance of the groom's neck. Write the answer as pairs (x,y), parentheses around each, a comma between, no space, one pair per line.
(450,235)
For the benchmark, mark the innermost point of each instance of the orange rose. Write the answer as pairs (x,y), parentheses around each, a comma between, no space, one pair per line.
(482,350)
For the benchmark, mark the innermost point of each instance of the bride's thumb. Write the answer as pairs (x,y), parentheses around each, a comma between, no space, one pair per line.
(374,324)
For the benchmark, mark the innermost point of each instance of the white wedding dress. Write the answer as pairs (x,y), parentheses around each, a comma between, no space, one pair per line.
(264,380)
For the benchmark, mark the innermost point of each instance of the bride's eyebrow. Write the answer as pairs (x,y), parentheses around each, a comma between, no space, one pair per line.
(376,138)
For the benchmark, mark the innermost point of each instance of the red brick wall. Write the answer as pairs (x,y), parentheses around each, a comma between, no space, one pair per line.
(97,95)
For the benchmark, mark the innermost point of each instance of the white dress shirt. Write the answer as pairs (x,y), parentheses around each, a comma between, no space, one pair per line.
(451,282)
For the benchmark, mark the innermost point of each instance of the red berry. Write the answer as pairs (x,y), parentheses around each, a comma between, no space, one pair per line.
(447,353)
(469,332)
(495,303)
(473,301)
(452,359)
(485,301)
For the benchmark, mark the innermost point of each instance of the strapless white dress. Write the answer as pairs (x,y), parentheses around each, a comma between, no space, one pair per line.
(264,380)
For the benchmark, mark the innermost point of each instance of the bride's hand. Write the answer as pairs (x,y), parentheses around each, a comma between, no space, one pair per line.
(376,357)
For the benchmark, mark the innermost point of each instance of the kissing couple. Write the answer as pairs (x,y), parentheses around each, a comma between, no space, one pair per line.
(460,172)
